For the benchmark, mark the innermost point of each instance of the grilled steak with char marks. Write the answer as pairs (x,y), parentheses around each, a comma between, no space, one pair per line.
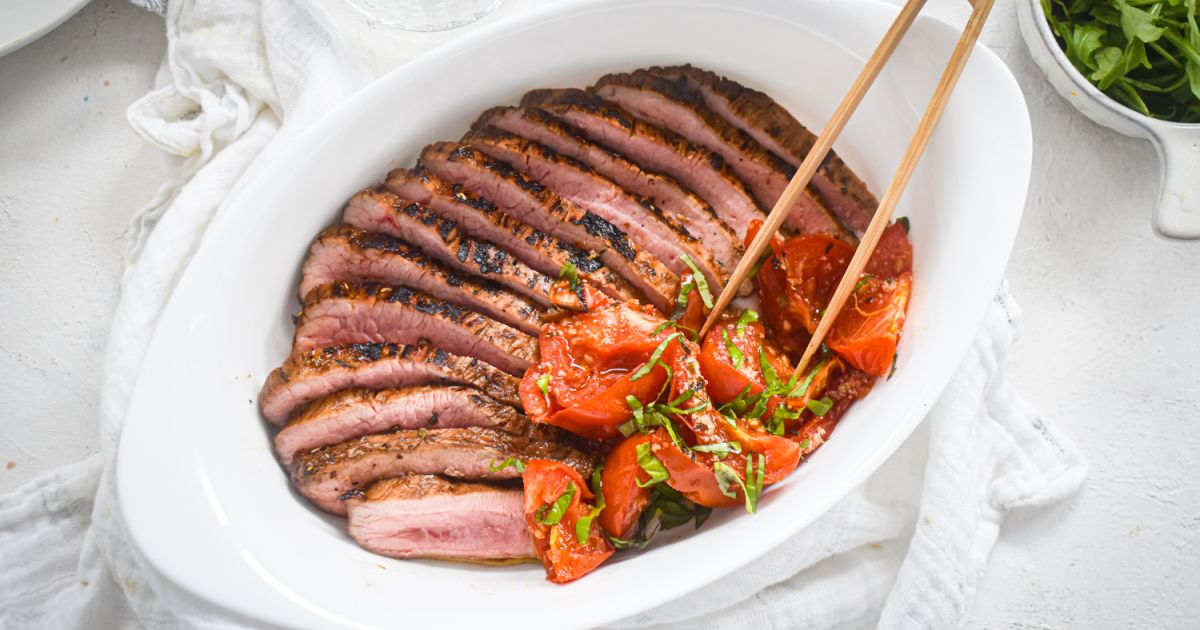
(308,376)
(346,253)
(353,413)
(481,218)
(775,128)
(641,220)
(672,105)
(341,313)
(327,473)
(533,203)
(426,516)
(380,210)
(680,204)
(657,149)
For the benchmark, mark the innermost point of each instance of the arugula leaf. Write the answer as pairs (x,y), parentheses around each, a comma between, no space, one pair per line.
(551,514)
(651,465)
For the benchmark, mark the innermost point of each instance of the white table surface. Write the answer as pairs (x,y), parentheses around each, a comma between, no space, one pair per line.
(1109,351)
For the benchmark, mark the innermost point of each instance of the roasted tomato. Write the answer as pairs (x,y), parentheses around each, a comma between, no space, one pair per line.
(689,308)
(555,498)
(868,328)
(577,296)
(624,499)
(729,374)
(893,253)
(845,387)
(694,479)
(588,367)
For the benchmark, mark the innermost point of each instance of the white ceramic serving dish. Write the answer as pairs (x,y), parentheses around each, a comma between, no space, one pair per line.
(24,21)
(1177,213)
(199,488)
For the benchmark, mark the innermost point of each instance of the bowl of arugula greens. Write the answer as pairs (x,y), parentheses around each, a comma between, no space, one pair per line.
(1132,66)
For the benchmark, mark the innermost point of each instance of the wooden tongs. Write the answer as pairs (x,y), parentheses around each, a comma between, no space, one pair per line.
(883,214)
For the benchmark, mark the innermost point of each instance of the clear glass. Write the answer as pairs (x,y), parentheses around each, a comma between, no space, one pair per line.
(425,15)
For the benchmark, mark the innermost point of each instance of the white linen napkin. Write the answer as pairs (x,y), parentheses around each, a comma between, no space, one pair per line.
(241,78)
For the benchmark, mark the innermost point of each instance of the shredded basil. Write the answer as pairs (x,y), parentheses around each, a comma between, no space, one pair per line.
(862,282)
(735,353)
(543,383)
(569,272)
(651,465)
(583,527)
(726,478)
(509,462)
(551,514)
(654,358)
(748,317)
(701,281)
(720,449)
(820,407)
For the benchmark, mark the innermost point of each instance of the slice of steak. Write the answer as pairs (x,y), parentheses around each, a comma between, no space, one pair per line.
(426,516)
(674,105)
(574,181)
(380,210)
(481,218)
(532,203)
(353,413)
(308,376)
(775,128)
(326,474)
(656,149)
(346,253)
(677,202)
(342,313)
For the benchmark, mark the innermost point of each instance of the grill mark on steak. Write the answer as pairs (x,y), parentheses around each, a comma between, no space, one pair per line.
(327,473)
(775,128)
(380,210)
(346,253)
(656,149)
(426,516)
(678,203)
(353,413)
(641,220)
(481,218)
(341,312)
(674,105)
(308,376)
(532,203)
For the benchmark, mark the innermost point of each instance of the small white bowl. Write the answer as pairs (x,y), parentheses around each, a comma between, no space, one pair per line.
(1177,214)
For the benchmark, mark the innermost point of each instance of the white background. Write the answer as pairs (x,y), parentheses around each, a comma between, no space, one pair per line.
(1112,313)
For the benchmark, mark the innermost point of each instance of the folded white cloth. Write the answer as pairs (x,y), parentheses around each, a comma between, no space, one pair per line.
(905,550)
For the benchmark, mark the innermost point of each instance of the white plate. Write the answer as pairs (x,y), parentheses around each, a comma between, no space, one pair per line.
(199,487)
(23,21)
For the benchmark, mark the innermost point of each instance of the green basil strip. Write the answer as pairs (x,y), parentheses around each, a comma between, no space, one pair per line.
(770,376)
(820,407)
(554,513)
(651,464)
(755,487)
(654,358)
(720,449)
(701,281)
(583,527)
(569,272)
(726,478)
(748,317)
(543,383)
(735,353)
(800,390)
(511,461)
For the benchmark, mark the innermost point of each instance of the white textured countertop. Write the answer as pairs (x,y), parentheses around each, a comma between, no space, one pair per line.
(1109,351)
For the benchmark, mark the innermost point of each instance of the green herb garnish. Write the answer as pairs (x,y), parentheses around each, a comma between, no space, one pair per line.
(735,353)
(701,281)
(820,407)
(651,465)
(509,462)
(551,514)
(570,273)
(654,358)
(583,527)
(748,317)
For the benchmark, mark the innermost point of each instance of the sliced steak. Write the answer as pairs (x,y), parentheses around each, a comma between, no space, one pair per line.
(532,203)
(656,149)
(775,128)
(674,105)
(481,218)
(346,253)
(341,313)
(676,201)
(308,376)
(380,210)
(328,473)
(426,516)
(353,413)
(574,181)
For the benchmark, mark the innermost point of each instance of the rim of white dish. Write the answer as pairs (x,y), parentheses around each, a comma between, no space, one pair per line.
(1060,57)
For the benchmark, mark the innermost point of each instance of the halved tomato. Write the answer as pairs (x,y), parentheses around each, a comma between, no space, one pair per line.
(729,374)
(868,328)
(555,498)
(624,499)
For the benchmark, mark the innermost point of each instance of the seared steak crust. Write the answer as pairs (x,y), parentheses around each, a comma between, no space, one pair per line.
(426,516)
(327,473)
(680,204)
(534,204)
(341,313)
(481,218)
(657,149)
(379,210)
(353,413)
(308,376)
(674,105)
(346,253)
(775,128)
(644,222)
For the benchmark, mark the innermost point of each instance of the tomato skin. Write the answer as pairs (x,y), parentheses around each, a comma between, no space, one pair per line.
(893,254)
(624,500)
(726,380)
(557,546)
(868,328)
(692,316)
(693,479)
